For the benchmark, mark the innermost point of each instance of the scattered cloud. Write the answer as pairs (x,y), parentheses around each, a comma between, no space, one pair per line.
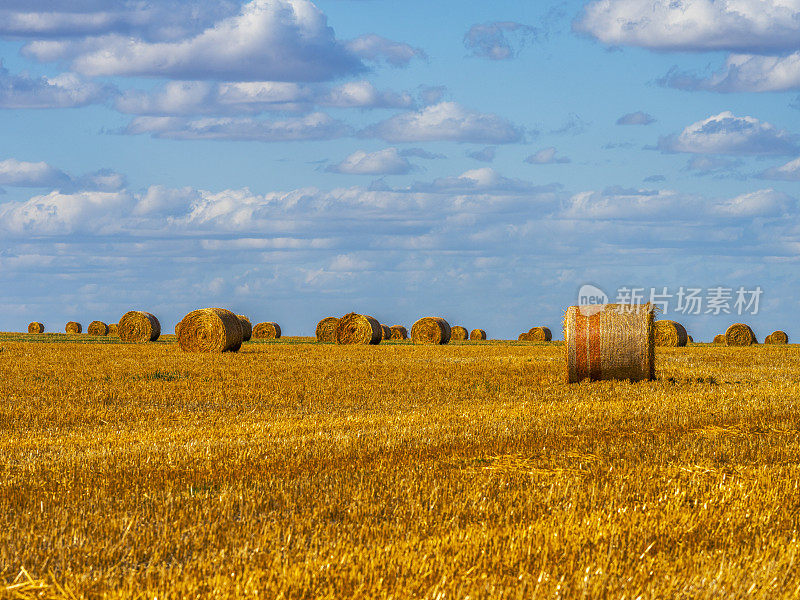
(486,154)
(498,40)
(482,180)
(788,172)
(374,48)
(547,156)
(383,162)
(421,153)
(574,125)
(654,179)
(636,118)
(761,203)
(29,174)
(705,165)
(744,73)
(62,91)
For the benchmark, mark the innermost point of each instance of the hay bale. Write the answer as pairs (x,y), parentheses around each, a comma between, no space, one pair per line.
(540,334)
(210,330)
(386,332)
(719,338)
(524,337)
(458,333)
(97,328)
(477,335)
(691,340)
(247,328)
(670,334)
(778,337)
(326,329)
(73,327)
(610,341)
(739,334)
(431,330)
(354,328)
(268,330)
(138,326)
(399,332)
(113,329)
(35,327)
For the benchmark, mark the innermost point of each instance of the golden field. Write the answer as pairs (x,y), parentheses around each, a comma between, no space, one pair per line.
(301,470)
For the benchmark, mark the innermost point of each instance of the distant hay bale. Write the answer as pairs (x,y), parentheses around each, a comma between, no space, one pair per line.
(73,327)
(540,334)
(778,337)
(719,338)
(138,326)
(739,334)
(670,334)
(477,335)
(268,330)
(113,329)
(386,332)
(326,329)
(431,330)
(458,333)
(690,339)
(97,328)
(247,328)
(354,328)
(35,327)
(399,332)
(524,337)
(611,341)
(210,330)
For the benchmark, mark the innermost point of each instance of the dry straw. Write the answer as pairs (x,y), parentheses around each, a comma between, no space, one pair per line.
(97,328)
(477,335)
(386,332)
(778,337)
(719,338)
(73,327)
(611,341)
(458,333)
(210,330)
(113,329)
(739,334)
(138,326)
(540,334)
(247,328)
(399,332)
(670,334)
(268,330)
(354,328)
(326,329)
(524,337)
(431,330)
(35,327)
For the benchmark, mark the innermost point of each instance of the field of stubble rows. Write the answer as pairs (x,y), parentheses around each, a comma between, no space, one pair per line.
(304,470)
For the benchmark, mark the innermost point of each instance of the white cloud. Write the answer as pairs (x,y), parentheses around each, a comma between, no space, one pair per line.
(636,118)
(761,203)
(696,25)
(483,180)
(498,40)
(745,73)
(546,156)
(383,162)
(373,47)
(486,154)
(57,213)
(726,133)
(62,91)
(788,172)
(446,121)
(711,164)
(29,174)
(161,200)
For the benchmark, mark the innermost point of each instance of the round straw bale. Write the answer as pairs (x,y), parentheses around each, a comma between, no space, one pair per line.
(778,337)
(268,330)
(477,335)
(326,329)
(690,339)
(609,341)
(35,327)
(458,333)
(247,328)
(399,332)
(670,333)
(138,326)
(540,334)
(739,334)
(386,332)
(73,327)
(210,330)
(97,328)
(354,328)
(524,337)
(719,338)
(431,330)
(113,329)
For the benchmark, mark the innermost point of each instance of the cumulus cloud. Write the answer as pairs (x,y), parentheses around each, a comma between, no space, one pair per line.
(446,121)
(744,73)
(164,201)
(483,180)
(274,40)
(761,203)
(694,25)
(788,172)
(636,118)
(726,133)
(547,156)
(315,126)
(59,213)
(499,40)
(30,174)
(375,48)
(383,162)
(62,91)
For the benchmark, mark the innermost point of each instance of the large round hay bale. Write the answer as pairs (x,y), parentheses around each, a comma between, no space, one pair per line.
(247,328)
(670,334)
(719,338)
(739,334)
(778,337)
(399,332)
(138,326)
(386,332)
(540,334)
(73,327)
(97,328)
(524,337)
(268,330)
(431,330)
(113,329)
(354,328)
(609,341)
(35,327)
(326,329)
(458,333)
(210,330)
(477,335)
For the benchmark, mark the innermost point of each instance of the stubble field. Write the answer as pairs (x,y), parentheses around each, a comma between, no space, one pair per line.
(302,470)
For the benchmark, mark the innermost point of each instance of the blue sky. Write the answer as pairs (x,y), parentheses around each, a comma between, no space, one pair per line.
(480,161)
